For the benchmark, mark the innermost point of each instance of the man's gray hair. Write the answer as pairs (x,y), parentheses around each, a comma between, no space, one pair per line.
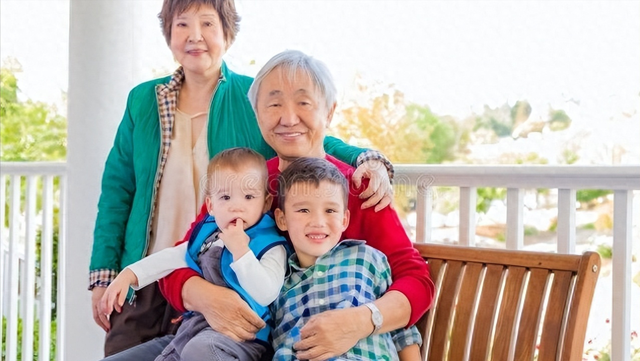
(290,61)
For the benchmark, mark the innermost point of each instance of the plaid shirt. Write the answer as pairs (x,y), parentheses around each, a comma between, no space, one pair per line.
(349,275)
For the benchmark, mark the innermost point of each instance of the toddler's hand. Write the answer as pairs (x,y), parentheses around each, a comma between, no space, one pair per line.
(116,293)
(235,239)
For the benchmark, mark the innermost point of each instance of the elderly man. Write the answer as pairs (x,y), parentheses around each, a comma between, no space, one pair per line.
(294,99)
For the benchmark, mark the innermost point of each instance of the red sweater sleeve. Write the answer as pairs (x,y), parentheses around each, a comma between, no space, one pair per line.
(383,231)
(171,285)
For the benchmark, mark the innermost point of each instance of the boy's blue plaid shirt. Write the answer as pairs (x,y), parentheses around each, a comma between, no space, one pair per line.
(349,275)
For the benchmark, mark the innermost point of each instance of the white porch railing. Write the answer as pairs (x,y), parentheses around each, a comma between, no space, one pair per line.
(19,277)
(623,180)
(25,296)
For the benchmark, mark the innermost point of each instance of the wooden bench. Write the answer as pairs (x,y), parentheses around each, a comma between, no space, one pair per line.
(505,305)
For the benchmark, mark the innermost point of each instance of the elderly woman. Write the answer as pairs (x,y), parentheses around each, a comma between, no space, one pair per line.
(294,98)
(170,129)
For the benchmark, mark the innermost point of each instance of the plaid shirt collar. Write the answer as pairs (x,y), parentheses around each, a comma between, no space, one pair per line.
(295,265)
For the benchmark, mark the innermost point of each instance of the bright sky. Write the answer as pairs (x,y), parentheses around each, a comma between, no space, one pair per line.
(454,56)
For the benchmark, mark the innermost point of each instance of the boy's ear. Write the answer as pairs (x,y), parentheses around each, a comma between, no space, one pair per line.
(345,220)
(280,221)
(209,203)
(267,203)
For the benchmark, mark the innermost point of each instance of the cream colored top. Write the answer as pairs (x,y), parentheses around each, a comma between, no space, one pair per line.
(179,194)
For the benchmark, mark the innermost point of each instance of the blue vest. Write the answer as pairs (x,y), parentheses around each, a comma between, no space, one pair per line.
(263,235)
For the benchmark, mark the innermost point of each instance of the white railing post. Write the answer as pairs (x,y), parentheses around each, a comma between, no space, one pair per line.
(424,205)
(18,287)
(515,217)
(566,229)
(3,200)
(30,269)
(46,266)
(621,277)
(467,224)
(62,237)
(14,229)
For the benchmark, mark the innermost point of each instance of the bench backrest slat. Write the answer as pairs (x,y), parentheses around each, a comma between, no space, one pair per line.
(507,305)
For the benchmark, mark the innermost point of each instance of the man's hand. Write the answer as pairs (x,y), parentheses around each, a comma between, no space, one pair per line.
(326,335)
(224,310)
(98,316)
(235,239)
(379,192)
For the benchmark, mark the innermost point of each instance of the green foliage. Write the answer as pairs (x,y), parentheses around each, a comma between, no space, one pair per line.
(440,132)
(558,120)
(36,339)
(486,195)
(31,131)
(406,133)
(589,195)
(499,120)
(520,112)
(522,158)
(605,251)
(530,230)
(569,156)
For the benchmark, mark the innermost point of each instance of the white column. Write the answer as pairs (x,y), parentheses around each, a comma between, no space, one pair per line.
(106,45)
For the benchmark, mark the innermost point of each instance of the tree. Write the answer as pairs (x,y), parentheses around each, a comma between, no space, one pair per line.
(520,112)
(380,118)
(30,131)
(373,120)
(442,133)
(558,120)
(499,120)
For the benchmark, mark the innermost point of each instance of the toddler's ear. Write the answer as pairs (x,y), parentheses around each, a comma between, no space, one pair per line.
(209,203)
(280,221)
(268,200)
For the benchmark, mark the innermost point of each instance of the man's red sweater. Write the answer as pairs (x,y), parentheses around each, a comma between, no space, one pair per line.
(381,230)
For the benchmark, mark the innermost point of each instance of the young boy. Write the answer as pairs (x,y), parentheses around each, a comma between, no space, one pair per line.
(236,246)
(327,274)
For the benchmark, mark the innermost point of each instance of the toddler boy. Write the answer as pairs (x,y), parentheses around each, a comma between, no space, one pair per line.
(237,245)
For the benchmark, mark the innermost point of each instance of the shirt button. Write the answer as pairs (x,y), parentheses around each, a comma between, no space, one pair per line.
(321,302)
(320,273)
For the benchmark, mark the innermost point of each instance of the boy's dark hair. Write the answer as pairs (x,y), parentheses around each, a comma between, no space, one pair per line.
(226,10)
(236,159)
(310,171)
